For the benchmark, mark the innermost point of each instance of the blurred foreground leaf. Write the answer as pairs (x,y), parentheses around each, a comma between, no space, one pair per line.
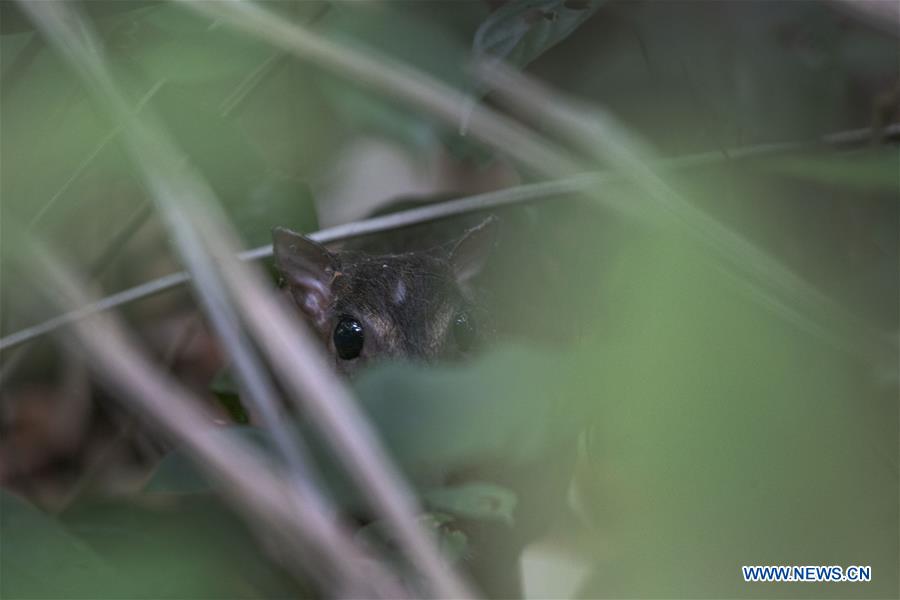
(176,473)
(191,546)
(521,30)
(872,170)
(225,388)
(452,542)
(12,19)
(732,438)
(491,422)
(40,559)
(418,38)
(514,402)
(176,45)
(482,501)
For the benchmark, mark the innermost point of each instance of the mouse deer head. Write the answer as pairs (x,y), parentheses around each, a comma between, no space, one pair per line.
(417,305)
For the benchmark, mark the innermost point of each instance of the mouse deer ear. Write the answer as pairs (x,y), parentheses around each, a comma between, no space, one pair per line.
(471,252)
(308,268)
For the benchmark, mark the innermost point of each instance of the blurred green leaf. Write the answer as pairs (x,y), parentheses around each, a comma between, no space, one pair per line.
(399,33)
(521,30)
(730,437)
(13,20)
(176,473)
(256,197)
(12,46)
(508,403)
(511,409)
(451,541)
(511,418)
(226,390)
(177,45)
(872,170)
(478,500)
(190,546)
(40,559)
(275,200)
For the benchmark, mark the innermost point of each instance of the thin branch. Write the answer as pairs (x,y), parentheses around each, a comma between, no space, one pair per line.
(569,186)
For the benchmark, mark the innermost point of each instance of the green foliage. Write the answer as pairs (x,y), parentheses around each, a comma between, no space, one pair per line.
(720,434)
(873,170)
(43,560)
(13,19)
(201,80)
(730,437)
(507,404)
(177,474)
(436,421)
(189,547)
(176,46)
(452,542)
(225,389)
(185,546)
(481,501)
(519,32)
(399,32)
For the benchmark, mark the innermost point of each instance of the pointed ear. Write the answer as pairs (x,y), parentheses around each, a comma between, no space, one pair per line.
(471,252)
(308,268)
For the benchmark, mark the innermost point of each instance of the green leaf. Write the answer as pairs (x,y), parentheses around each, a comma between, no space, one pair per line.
(179,46)
(520,31)
(276,200)
(452,542)
(479,500)
(176,473)
(731,436)
(488,425)
(873,170)
(225,389)
(40,559)
(398,32)
(13,19)
(511,418)
(178,547)
(513,408)
(508,403)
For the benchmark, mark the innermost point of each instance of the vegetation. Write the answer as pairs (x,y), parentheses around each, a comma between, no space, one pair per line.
(688,329)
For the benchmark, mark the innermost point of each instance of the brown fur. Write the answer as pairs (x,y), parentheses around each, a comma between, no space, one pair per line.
(407,303)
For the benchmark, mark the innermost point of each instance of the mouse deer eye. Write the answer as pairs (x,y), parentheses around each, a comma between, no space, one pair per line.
(464,332)
(348,338)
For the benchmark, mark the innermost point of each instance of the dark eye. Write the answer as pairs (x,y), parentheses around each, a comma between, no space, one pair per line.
(348,338)
(464,332)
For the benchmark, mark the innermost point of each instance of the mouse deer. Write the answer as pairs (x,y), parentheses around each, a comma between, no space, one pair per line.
(414,305)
